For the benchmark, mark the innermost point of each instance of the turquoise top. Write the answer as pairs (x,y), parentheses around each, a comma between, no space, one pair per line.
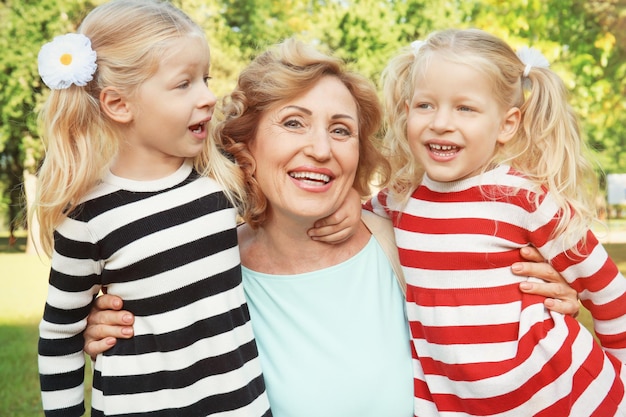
(334,342)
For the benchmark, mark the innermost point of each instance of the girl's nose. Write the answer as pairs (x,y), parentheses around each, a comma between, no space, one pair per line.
(441,120)
(207,98)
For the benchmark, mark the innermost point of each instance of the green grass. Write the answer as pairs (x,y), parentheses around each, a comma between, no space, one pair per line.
(19,387)
(23,283)
(23,280)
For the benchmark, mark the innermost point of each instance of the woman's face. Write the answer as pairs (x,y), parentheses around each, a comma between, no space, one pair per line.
(307,151)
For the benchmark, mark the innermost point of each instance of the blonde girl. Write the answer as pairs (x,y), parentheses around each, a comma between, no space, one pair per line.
(489,158)
(134,197)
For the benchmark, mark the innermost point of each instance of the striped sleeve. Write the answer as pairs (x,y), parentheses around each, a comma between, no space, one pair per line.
(73,284)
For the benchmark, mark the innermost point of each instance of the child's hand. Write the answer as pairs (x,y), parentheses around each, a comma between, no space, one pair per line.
(106,323)
(340,225)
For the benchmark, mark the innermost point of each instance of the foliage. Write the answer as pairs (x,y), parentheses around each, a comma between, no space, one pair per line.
(227,58)
(585,41)
(256,24)
(32,23)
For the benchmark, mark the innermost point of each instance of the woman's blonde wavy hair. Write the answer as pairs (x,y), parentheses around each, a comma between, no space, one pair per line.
(286,71)
(548,146)
(129,37)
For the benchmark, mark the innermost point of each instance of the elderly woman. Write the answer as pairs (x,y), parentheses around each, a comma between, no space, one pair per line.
(329,319)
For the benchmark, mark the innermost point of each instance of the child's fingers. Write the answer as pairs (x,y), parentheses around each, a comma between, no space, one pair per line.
(108,302)
(329,235)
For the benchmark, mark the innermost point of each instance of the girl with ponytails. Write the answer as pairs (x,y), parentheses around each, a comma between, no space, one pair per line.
(135,198)
(489,158)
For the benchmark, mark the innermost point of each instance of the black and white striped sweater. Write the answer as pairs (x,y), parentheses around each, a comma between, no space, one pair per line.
(169,249)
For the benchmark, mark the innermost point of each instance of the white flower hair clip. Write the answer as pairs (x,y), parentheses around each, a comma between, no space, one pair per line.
(416,46)
(532,58)
(67,60)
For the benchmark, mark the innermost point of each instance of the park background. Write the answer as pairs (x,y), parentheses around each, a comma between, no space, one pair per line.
(584,40)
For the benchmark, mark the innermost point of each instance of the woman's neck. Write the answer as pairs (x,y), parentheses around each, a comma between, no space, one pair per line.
(282,249)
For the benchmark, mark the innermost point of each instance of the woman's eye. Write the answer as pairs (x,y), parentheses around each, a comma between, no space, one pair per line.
(341,132)
(292,123)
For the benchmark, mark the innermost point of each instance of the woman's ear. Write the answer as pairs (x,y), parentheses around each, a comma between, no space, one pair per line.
(510,124)
(115,105)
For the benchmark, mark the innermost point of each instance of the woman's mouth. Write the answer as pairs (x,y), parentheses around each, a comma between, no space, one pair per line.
(313,178)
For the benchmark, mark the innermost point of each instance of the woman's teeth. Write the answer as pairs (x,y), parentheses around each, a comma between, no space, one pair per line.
(310,176)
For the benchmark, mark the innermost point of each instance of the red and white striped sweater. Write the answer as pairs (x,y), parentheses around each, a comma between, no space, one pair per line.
(481,347)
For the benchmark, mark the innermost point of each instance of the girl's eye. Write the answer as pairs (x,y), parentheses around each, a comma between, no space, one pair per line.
(424,106)
(207,78)
(465,108)
(183,85)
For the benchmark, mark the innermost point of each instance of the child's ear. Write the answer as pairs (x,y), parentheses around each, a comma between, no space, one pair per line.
(510,124)
(115,105)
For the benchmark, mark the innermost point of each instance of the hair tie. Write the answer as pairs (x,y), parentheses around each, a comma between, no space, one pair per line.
(531,57)
(66,60)
(416,46)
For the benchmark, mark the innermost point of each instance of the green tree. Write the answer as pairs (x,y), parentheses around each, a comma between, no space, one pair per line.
(363,33)
(26,25)
(585,41)
(255,24)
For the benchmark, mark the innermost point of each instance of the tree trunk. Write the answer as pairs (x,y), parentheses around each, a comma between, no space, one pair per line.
(33,244)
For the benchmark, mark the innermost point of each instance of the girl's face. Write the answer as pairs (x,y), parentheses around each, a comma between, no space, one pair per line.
(171,110)
(454,122)
(307,152)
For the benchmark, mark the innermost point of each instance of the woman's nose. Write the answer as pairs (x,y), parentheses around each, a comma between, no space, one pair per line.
(319,144)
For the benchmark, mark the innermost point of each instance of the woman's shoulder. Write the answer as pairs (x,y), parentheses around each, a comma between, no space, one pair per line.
(377,224)
(382,230)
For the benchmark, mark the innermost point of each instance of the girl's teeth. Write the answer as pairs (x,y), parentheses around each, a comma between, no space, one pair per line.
(442,147)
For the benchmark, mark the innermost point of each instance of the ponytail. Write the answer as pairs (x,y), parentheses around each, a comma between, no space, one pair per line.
(551,151)
(79,148)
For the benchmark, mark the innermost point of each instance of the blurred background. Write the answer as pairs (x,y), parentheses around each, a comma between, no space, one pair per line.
(584,41)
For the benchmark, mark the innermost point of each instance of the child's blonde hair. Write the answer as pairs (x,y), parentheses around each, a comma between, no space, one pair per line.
(548,147)
(129,38)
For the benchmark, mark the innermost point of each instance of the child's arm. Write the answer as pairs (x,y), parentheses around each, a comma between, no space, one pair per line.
(589,270)
(601,287)
(378,205)
(340,225)
(107,322)
(73,283)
